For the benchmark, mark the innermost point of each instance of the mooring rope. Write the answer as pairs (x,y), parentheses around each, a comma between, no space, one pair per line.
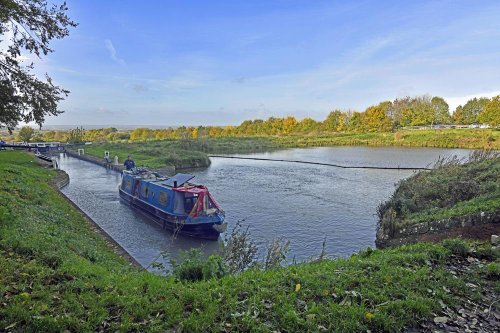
(319,163)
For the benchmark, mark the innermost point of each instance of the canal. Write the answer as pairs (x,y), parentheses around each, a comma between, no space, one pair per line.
(303,203)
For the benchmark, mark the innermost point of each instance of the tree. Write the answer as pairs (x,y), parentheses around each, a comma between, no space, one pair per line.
(142,133)
(400,107)
(289,124)
(32,25)
(473,108)
(194,132)
(458,115)
(441,110)
(76,135)
(49,136)
(26,133)
(307,125)
(335,121)
(356,122)
(491,113)
(376,118)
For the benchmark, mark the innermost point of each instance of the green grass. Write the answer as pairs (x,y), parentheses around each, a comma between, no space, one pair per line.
(56,274)
(233,145)
(449,138)
(157,154)
(178,153)
(451,190)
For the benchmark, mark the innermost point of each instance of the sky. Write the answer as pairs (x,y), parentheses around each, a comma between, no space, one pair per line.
(171,63)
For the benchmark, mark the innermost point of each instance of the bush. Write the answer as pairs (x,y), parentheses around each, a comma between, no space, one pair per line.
(194,267)
(486,252)
(240,250)
(457,246)
(493,271)
(276,253)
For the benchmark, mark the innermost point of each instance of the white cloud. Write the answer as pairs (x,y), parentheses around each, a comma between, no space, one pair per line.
(112,52)
(453,102)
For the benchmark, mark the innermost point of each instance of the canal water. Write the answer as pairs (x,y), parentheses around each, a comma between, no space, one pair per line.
(303,203)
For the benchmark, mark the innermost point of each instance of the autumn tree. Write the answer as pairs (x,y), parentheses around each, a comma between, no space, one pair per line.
(215,131)
(491,113)
(458,115)
(142,134)
(400,107)
(31,25)
(356,122)
(76,135)
(289,125)
(335,121)
(307,125)
(49,136)
(376,118)
(26,133)
(194,132)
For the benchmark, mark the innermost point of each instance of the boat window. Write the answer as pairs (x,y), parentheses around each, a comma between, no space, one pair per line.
(179,203)
(211,204)
(136,188)
(127,183)
(144,191)
(189,202)
(163,198)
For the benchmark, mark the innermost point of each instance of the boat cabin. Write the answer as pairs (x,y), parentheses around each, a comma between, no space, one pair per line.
(173,195)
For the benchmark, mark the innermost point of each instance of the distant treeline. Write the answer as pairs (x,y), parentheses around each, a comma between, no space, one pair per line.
(383,117)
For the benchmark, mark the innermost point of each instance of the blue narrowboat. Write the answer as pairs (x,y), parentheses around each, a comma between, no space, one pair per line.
(174,203)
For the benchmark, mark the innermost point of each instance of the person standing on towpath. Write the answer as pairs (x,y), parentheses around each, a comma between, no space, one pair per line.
(129,163)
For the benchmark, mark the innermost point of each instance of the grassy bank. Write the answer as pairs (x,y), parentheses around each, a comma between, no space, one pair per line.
(56,274)
(178,153)
(449,138)
(451,190)
(157,154)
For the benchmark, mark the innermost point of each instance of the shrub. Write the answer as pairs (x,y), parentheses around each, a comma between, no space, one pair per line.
(240,250)
(190,268)
(193,267)
(457,246)
(492,271)
(276,253)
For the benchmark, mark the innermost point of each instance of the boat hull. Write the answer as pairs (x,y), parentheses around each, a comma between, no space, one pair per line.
(206,230)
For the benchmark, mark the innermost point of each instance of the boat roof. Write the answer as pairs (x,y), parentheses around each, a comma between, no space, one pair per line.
(182,180)
(192,189)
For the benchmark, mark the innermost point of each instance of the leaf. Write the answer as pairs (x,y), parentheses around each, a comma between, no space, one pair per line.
(369,315)
(267,303)
(297,287)
(11,326)
(24,295)
(441,320)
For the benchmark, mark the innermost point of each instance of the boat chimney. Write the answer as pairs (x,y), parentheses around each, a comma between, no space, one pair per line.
(175,183)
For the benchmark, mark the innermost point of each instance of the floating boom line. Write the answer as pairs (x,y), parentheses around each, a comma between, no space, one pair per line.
(318,163)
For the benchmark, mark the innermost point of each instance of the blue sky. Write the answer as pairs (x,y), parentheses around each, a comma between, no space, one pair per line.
(169,63)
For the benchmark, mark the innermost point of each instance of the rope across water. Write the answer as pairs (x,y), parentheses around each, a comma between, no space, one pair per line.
(319,163)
